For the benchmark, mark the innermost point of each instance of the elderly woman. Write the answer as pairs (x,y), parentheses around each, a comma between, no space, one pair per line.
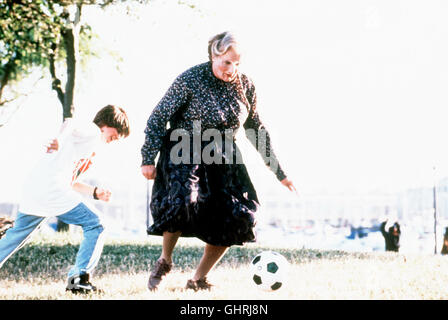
(214,201)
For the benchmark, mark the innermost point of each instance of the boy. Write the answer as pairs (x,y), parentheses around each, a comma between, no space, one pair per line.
(52,189)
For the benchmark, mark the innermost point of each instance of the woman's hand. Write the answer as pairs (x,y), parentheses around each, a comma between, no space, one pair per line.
(149,172)
(288,184)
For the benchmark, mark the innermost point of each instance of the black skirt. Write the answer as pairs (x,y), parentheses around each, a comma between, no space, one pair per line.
(213,202)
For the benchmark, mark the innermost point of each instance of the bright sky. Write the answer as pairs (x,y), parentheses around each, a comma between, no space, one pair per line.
(353,92)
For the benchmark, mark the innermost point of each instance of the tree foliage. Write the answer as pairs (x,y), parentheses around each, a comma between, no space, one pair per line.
(41,33)
(29,31)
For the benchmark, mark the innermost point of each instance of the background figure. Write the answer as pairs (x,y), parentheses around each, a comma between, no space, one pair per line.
(392,236)
(445,242)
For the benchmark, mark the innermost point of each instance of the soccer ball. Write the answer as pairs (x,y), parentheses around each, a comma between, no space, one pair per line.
(269,270)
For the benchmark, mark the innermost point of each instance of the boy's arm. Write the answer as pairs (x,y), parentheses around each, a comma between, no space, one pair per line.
(95,192)
(53,145)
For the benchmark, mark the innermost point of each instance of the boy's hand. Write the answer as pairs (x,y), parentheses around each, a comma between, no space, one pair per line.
(52,145)
(103,194)
(149,171)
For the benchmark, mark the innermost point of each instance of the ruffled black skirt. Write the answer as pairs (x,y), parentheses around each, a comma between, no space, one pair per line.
(213,202)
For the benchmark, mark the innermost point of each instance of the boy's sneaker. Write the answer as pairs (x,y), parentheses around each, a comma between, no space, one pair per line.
(81,284)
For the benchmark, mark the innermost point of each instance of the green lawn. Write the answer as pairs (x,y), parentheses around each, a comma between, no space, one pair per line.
(38,271)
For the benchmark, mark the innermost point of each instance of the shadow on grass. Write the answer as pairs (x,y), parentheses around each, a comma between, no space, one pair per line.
(51,261)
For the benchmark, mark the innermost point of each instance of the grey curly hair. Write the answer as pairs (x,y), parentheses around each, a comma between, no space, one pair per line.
(219,44)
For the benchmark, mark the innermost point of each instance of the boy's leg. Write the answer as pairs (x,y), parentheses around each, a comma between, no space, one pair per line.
(91,247)
(16,237)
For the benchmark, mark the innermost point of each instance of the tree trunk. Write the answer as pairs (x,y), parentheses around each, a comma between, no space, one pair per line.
(71,41)
(62,226)
(5,78)
(68,106)
(70,37)
(55,82)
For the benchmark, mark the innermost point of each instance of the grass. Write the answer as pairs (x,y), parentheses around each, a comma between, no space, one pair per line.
(38,271)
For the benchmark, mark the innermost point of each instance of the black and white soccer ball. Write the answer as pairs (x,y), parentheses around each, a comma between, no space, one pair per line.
(269,270)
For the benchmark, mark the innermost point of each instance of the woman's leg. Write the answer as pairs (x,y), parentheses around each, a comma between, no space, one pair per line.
(212,255)
(164,264)
(169,242)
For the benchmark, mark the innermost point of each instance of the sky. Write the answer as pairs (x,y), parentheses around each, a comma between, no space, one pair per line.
(353,93)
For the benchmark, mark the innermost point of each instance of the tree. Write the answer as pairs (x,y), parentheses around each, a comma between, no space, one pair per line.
(44,33)
(27,34)
(41,33)
(48,34)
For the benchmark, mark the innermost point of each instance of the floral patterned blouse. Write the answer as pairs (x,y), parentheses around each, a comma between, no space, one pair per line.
(197,94)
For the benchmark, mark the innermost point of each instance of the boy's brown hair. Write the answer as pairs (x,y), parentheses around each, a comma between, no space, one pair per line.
(114,117)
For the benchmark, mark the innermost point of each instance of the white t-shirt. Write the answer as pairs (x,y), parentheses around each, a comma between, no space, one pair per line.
(48,189)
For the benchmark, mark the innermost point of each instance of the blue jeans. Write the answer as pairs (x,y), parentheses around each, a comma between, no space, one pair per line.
(89,251)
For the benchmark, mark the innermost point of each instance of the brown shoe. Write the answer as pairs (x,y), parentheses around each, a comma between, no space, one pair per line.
(161,268)
(201,284)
